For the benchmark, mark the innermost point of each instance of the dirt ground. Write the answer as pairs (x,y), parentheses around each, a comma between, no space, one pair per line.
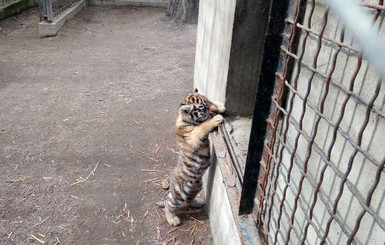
(86,128)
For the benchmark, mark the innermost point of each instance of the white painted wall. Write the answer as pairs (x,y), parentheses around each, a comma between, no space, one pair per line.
(222,221)
(214,34)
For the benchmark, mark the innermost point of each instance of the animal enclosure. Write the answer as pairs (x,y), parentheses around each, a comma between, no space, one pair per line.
(322,169)
(51,8)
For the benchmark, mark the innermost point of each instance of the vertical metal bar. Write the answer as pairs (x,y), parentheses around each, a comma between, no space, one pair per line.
(309,150)
(322,174)
(351,161)
(272,158)
(270,60)
(48,4)
(300,11)
(368,200)
(352,157)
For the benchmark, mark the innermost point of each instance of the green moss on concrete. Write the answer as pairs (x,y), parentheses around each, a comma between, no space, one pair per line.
(15,7)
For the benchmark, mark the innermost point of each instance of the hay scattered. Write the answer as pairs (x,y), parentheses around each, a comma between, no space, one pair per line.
(169,240)
(175,229)
(38,239)
(153,159)
(149,170)
(152,180)
(27,192)
(157,150)
(81,180)
(160,217)
(200,221)
(12,182)
(58,241)
(76,197)
(41,222)
(145,215)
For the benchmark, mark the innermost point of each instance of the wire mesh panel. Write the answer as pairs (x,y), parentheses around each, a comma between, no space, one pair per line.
(322,179)
(51,8)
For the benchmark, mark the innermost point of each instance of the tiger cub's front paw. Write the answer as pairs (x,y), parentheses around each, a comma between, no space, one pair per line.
(173,220)
(221,108)
(217,120)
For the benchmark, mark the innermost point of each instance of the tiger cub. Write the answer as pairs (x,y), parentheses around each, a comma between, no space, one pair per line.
(196,119)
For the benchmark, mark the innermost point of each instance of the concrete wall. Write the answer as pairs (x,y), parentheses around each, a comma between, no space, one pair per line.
(227,227)
(229,50)
(215,25)
(250,24)
(228,53)
(222,220)
(363,171)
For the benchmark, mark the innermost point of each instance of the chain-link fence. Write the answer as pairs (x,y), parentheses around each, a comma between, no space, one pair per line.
(322,170)
(51,8)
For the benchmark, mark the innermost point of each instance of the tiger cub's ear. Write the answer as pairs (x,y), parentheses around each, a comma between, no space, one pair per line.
(185,109)
(195,90)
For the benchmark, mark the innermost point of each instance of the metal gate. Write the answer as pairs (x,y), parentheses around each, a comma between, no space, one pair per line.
(322,169)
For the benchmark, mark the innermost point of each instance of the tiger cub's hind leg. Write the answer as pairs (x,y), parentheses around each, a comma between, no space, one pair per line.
(192,200)
(171,217)
(197,202)
(171,206)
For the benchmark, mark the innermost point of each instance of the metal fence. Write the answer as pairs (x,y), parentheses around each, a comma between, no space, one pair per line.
(51,8)
(321,179)
(4,2)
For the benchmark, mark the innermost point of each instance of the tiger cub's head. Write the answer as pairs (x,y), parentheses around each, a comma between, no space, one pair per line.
(195,109)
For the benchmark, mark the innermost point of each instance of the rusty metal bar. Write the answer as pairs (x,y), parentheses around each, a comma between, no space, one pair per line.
(350,163)
(374,6)
(317,188)
(295,80)
(269,65)
(353,95)
(368,201)
(299,15)
(233,157)
(337,43)
(340,130)
(334,168)
(323,195)
(277,173)
(354,154)
(311,142)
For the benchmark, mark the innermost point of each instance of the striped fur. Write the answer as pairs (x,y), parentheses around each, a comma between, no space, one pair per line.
(197,118)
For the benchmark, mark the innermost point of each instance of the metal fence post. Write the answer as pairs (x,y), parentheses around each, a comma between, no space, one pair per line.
(48,4)
(273,41)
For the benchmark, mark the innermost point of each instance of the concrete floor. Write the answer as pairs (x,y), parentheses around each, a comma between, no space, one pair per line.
(87,128)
